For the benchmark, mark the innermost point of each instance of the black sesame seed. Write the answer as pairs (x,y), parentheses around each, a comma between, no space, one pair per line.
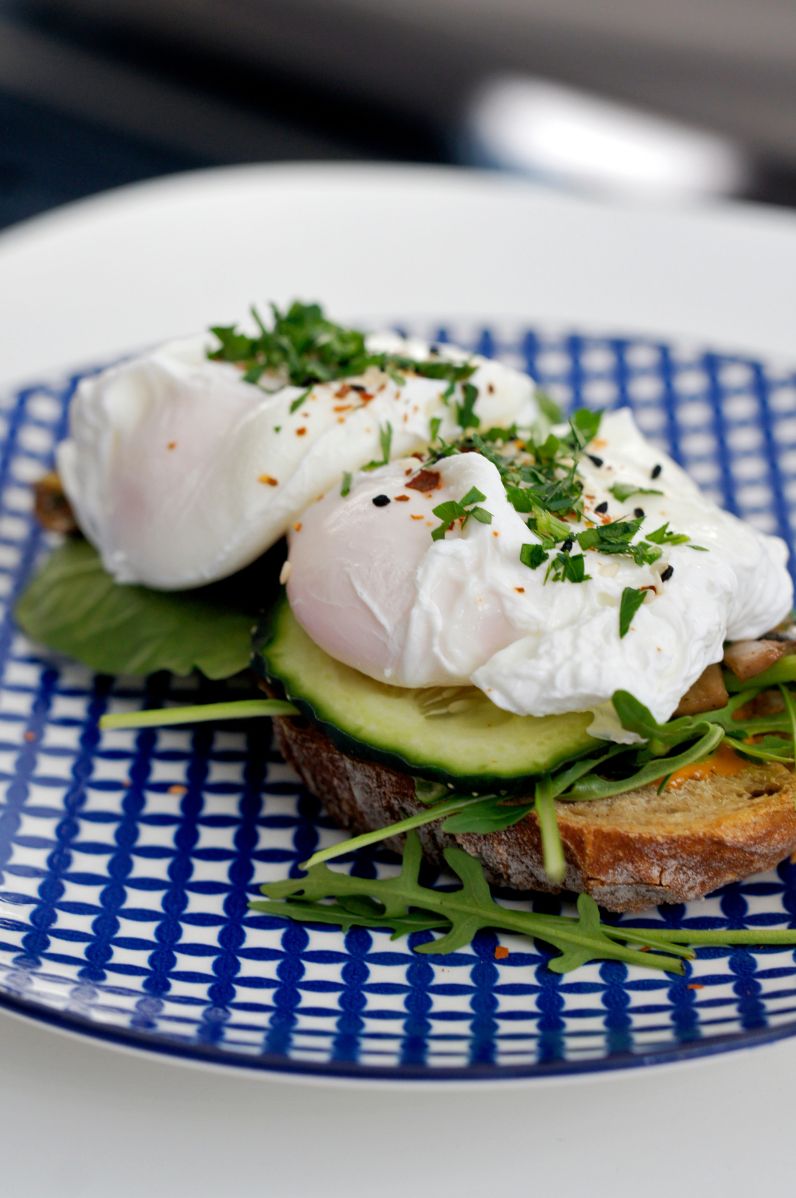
(639,511)
(567,545)
(602,508)
(381,500)
(668,572)
(656,470)
(593,458)
(357,386)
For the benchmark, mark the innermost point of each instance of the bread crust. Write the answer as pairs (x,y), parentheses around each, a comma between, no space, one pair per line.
(629,852)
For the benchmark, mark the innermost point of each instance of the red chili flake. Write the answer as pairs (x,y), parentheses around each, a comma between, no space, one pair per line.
(647,588)
(425,480)
(520,590)
(501,952)
(415,517)
(171,445)
(268,480)
(366,396)
(490,388)
(297,527)
(696,986)
(177,789)
(401,498)
(342,407)
(300,432)
(29,736)
(495,532)
(342,391)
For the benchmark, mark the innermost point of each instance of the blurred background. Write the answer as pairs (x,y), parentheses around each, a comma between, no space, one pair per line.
(682,101)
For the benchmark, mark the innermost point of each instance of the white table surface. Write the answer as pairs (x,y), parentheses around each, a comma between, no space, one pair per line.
(155,260)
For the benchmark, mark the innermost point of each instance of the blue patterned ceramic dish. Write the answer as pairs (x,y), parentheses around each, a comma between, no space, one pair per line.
(127,861)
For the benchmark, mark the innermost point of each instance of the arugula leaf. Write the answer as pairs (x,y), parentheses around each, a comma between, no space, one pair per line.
(74,607)
(595,787)
(398,902)
(631,601)
(552,848)
(482,817)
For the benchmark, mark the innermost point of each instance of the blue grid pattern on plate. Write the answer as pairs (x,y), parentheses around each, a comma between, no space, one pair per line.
(127,861)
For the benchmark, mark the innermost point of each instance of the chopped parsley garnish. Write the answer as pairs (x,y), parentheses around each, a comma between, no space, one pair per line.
(460,509)
(542,482)
(303,347)
(434,425)
(617,537)
(632,599)
(385,443)
(567,567)
(345,489)
(549,408)
(662,536)
(623,491)
(533,556)
(465,411)
(299,400)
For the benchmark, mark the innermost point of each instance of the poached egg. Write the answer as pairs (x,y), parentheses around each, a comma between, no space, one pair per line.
(374,590)
(180,473)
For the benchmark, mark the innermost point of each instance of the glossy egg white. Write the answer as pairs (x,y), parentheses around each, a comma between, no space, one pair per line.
(181,473)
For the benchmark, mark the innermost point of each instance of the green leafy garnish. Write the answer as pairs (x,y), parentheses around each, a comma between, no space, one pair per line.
(533,556)
(385,443)
(403,904)
(663,536)
(632,599)
(74,607)
(460,509)
(296,404)
(623,491)
(345,486)
(465,411)
(617,538)
(566,567)
(551,411)
(199,713)
(303,347)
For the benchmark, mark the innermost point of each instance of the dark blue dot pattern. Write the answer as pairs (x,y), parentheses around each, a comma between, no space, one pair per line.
(127,861)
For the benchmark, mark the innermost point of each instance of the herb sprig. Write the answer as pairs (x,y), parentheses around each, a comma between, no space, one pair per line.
(403,904)
(303,347)
(460,509)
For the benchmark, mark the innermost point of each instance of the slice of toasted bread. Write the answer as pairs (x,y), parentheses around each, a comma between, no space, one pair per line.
(629,852)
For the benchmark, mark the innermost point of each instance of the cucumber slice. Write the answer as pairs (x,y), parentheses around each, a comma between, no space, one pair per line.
(448,734)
